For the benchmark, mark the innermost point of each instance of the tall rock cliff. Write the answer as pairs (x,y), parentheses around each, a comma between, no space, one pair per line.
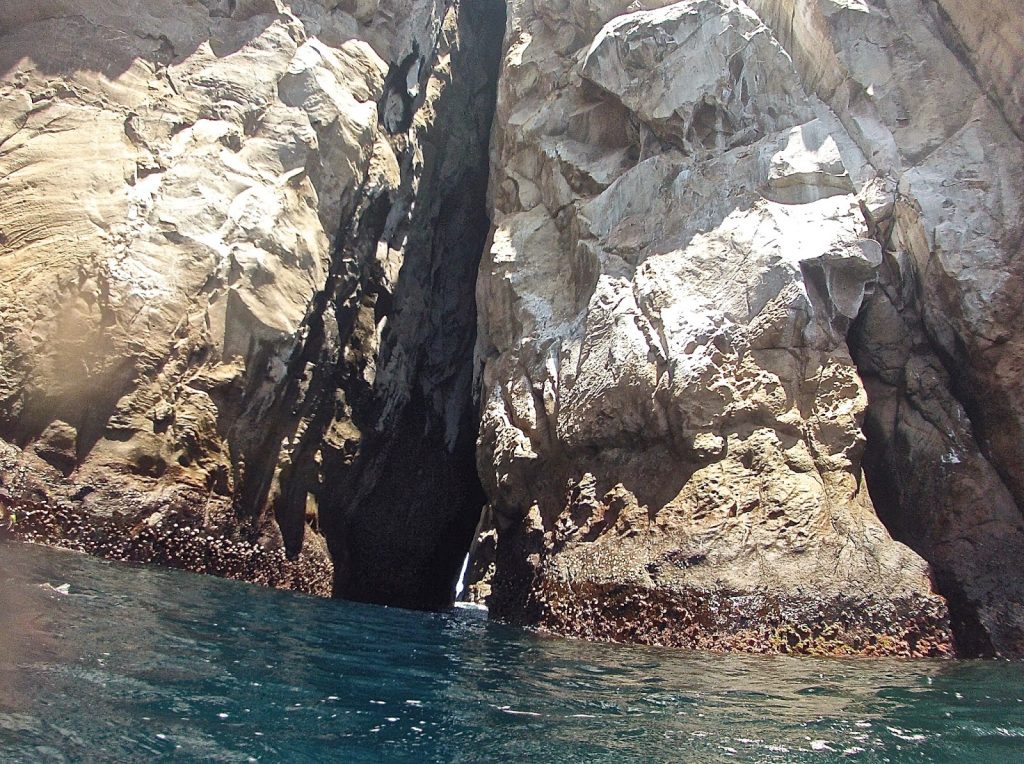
(696,204)
(238,245)
(740,366)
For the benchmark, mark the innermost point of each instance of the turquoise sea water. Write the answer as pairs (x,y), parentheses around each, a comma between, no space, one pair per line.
(142,664)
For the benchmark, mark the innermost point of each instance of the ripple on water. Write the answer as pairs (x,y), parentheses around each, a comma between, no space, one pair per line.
(147,664)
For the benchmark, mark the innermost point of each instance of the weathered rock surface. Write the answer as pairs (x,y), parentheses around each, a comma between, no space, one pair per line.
(691,204)
(239,283)
(50,510)
(235,282)
(988,38)
(943,365)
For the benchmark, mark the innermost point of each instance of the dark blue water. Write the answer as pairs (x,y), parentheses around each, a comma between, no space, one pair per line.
(140,664)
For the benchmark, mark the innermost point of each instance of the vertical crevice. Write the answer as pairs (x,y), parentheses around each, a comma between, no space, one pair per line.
(380,452)
(400,525)
(369,437)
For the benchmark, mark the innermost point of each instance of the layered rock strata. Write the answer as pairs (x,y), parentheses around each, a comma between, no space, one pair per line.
(237,250)
(692,201)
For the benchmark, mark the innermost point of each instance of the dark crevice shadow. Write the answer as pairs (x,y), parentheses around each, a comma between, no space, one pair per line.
(376,448)
(400,525)
(927,474)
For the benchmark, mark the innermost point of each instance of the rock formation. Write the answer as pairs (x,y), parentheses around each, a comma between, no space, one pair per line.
(742,352)
(238,242)
(692,201)
(940,344)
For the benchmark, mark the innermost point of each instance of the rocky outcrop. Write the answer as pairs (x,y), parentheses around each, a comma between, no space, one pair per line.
(50,510)
(940,344)
(692,201)
(240,280)
(237,250)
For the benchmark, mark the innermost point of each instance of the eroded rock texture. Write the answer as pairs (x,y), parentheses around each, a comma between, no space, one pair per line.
(692,201)
(238,243)
(940,344)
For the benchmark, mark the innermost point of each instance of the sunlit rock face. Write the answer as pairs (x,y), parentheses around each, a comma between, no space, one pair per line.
(748,354)
(693,204)
(235,274)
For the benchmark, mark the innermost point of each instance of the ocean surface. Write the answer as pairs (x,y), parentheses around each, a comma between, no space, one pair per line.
(142,664)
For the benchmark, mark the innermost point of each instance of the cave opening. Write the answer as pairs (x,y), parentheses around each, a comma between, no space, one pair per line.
(908,522)
(911,433)
(400,513)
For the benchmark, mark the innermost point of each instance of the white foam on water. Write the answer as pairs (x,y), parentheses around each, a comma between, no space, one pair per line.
(514,712)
